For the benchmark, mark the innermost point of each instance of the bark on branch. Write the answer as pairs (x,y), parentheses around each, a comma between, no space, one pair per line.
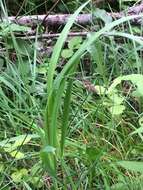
(83,19)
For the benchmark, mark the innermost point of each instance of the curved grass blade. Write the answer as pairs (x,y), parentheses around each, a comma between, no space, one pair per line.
(89,42)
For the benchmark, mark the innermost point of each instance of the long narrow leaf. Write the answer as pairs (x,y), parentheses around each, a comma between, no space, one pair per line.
(66,114)
(87,43)
(59,44)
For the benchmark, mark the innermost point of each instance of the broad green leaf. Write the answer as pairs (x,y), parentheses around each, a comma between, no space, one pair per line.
(22,141)
(9,148)
(114,85)
(97,54)
(17,154)
(18,175)
(75,42)
(24,171)
(5,142)
(100,90)
(133,166)
(116,99)
(117,109)
(66,53)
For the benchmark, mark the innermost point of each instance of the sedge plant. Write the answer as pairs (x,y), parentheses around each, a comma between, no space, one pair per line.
(61,85)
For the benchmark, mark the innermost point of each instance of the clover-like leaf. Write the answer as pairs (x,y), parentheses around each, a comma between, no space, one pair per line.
(75,42)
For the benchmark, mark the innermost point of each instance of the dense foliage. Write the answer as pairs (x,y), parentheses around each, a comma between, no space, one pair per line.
(71,108)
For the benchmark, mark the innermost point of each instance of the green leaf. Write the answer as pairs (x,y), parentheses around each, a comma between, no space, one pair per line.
(17,154)
(1,167)
(67,53)
(88,43)
(66,110)
(75,42)
(48,159)
(19,175)
(5,143)
(9,148)
(36,181)
(93,153)
(136,79)
(16,177)
(27,186)
(116,99)
(6,28)
(100,90)
(119,186)
(1,63)
(24,171)
(102,14)
(24,48)
(59,44)
(54,98)
(117,109)
(139,131)
(114,84)
(42,70)
(22,141)
(132,166)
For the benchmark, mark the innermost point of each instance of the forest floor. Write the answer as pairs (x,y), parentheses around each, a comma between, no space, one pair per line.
(71,94)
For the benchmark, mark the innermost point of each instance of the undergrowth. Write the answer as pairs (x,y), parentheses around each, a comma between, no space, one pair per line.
(72,120)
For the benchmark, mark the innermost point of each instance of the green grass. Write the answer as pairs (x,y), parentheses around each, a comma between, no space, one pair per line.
(58,132)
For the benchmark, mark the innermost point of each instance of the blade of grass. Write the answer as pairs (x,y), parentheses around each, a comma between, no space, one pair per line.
(66,114)
(59,44)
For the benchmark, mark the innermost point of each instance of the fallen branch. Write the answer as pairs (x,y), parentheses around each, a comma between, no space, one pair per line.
(51,20)
(83,19)
(50,36)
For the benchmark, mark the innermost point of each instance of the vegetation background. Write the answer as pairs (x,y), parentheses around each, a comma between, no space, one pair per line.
(71,108)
